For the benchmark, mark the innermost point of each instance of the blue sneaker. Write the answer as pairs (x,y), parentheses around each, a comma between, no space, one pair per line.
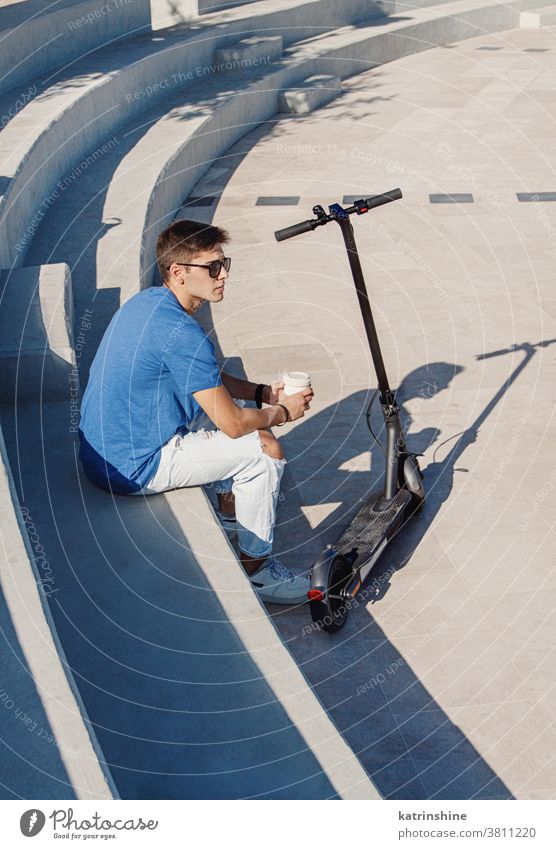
(276,583)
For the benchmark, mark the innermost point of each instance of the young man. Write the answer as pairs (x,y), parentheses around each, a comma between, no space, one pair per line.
(157,413)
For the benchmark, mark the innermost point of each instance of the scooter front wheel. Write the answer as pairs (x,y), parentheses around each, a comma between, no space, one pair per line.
(331,610)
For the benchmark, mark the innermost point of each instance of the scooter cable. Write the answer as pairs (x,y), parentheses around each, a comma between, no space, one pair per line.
(368,417)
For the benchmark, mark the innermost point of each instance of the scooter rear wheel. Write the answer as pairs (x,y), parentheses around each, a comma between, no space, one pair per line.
(332,612)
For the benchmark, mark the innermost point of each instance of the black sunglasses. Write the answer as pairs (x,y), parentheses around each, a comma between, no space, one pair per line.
(214,268)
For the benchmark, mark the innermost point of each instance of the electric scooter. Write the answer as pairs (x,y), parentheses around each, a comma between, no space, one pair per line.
(342,567)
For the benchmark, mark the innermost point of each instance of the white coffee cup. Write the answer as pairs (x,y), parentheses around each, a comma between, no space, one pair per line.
(295,381)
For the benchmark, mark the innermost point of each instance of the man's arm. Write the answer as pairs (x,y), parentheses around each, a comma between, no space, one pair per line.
(245,390)
(238,388)
(236,421)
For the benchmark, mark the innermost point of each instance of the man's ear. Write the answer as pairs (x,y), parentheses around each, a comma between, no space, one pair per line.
(176,271)
(181,272)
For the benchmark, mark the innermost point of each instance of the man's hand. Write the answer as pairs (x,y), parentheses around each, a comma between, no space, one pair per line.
(236,421)
(296,404)
(271,393)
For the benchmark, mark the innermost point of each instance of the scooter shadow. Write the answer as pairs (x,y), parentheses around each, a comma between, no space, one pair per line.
(407,743)
(334,464)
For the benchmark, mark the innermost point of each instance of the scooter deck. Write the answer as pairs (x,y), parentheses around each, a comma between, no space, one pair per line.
(371,528)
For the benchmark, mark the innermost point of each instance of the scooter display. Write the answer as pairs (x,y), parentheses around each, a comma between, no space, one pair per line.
(343,566)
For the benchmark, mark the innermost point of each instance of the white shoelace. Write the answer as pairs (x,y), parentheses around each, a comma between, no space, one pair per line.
(279,571)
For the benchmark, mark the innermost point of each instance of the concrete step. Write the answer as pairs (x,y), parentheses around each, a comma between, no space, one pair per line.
(36,38)
(167,13)
(59,121)
(315,91)
(75,116)
(538,18)
(186,681)
(37,359)
(152,169)
(53,750)
(202,135)
(66,121)
(249,52)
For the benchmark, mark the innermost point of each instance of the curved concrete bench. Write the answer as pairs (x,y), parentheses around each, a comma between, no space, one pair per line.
(165,13)
(35,38)
(538,18)
(188,685)
(73,120)
(98,103)
(70,120)
(310,94)
(36,348)
(50,749)
(195,142)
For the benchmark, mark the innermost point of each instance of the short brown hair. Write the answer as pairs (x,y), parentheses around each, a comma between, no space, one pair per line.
(183,240)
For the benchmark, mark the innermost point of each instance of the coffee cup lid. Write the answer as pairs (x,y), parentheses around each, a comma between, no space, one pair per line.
(297,378)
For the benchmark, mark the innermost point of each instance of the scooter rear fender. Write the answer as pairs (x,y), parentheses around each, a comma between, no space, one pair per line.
(321,569)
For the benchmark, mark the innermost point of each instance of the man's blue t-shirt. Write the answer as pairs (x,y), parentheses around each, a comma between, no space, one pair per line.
(152,358)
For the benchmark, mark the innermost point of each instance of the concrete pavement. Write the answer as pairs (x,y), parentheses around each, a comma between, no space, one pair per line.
(441,680)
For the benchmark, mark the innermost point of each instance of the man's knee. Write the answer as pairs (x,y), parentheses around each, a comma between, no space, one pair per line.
(270,445)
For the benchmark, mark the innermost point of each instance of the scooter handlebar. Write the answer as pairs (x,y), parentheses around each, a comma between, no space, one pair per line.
(378,200)
(306,226)
(295,230)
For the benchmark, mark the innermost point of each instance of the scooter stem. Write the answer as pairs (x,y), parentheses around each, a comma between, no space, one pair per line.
(395,443)
(346,227)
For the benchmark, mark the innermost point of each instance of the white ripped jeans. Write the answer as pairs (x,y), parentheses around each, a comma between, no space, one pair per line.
(205,455)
